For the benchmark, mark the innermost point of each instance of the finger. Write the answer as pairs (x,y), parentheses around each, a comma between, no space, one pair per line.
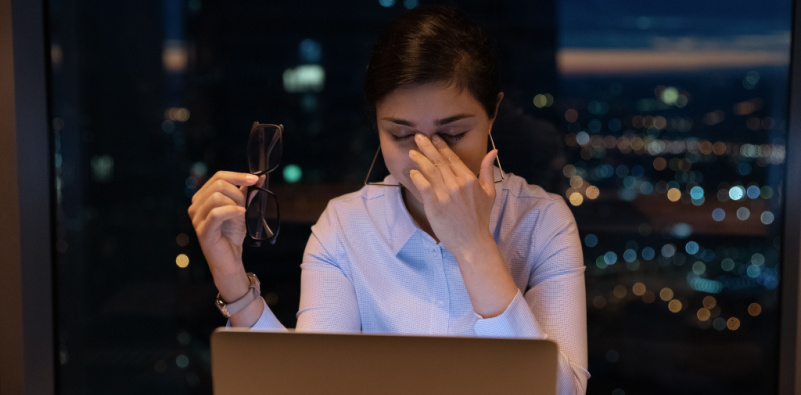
(232,192)
(262,180)
(230,177)
(219,185)
(424,187)
(215,200)
(431,152)
(455,162)
(212,224)
(487,173)
(250,195)
(431,173)
(236,195)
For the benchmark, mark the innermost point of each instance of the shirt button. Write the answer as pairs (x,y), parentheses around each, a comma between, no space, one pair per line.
(440,303)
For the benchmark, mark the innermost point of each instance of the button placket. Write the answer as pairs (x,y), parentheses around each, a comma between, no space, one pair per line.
(443,290)
(439,301)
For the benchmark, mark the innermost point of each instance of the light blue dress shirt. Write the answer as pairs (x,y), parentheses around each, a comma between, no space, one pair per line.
(368,267)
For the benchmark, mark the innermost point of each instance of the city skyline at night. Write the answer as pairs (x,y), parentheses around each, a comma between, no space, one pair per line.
(663,126)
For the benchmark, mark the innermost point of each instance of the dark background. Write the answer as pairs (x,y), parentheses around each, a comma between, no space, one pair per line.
(130,320)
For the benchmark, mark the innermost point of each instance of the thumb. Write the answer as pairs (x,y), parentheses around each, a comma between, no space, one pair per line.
(487,173)
(244,191)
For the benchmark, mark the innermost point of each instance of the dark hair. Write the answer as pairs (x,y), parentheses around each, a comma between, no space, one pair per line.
(433,44)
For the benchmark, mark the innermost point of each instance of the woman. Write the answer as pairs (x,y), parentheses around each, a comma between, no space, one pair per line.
(451,251)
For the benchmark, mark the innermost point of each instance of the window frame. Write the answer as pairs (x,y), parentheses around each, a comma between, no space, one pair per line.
(27,363)
(790,313)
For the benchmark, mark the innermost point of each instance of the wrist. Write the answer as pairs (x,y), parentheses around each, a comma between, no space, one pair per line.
(486,276)
(232,286)
(230,308)
(225,266)
(480,250)
(249,315)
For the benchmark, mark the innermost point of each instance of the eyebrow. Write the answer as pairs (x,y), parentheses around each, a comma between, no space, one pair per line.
(439,122)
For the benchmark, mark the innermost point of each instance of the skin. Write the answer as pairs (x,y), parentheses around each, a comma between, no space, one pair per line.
(434,138)
(434,141)
(218,216)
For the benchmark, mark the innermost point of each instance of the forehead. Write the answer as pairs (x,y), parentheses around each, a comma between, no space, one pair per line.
(428,102)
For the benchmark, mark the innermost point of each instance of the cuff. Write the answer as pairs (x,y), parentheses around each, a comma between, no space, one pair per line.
(267,320)
(516,321)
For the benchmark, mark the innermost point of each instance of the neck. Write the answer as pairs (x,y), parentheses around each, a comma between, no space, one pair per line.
(417,211)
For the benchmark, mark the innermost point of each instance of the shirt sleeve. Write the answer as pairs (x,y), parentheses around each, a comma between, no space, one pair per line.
(515,321)
(327,299)
(554,305)
(266,322)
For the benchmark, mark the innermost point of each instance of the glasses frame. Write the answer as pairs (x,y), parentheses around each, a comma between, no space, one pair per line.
(279,140)
(381,184)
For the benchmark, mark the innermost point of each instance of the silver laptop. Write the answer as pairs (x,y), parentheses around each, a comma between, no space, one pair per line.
(254,362)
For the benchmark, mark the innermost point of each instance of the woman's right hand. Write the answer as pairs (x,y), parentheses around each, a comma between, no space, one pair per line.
(218,216)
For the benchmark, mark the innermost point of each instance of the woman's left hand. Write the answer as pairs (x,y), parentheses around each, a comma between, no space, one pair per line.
(457,203)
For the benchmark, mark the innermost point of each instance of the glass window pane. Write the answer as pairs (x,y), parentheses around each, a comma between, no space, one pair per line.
(675,125)
(663,126)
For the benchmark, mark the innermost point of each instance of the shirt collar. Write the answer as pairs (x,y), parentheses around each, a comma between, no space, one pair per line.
(404,227)
(401,224)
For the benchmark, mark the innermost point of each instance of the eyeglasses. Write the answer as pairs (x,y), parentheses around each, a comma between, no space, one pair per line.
(381,184)
(262,217)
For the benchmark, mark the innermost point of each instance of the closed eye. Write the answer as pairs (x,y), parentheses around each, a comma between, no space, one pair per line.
(449,138)
(452,137)
(401,138)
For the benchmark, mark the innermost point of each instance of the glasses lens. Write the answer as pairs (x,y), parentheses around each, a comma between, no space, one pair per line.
(261,216)
(264,148)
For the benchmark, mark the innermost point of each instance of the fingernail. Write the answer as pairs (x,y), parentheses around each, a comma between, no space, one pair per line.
(419,136)
(436,138)
(252,178)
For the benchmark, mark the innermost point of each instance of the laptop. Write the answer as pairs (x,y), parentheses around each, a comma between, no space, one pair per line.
(258,362)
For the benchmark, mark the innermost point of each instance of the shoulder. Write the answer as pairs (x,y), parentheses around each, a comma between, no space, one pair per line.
(518,197)
(369,196)
(365,220)
(355,207)
(529,218)
(347,216)
(537,225)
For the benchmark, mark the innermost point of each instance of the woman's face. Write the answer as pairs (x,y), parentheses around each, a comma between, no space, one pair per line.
(429,109)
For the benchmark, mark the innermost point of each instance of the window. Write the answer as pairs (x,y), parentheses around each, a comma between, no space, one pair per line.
(675,132)
(662,125)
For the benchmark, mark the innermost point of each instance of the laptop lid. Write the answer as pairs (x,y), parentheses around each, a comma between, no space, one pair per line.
(258,362)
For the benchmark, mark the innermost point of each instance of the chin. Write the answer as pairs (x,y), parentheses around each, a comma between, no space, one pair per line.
(414,193)
(407,184)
